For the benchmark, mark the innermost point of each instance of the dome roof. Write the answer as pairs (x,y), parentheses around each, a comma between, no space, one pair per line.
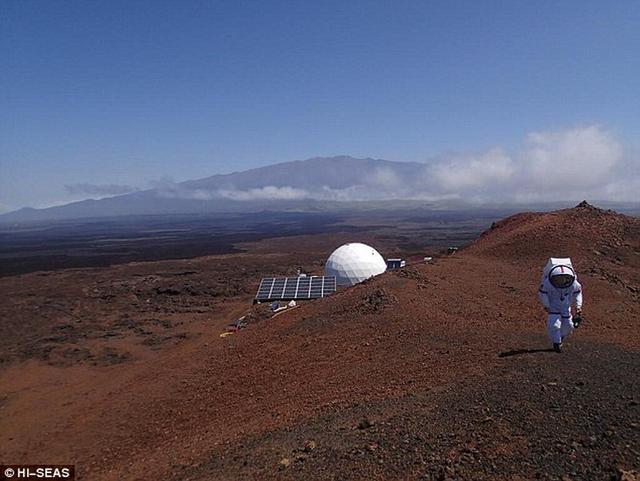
(353,263)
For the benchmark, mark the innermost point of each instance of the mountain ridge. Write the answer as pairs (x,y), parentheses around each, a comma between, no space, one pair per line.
(314,183)
(292,184)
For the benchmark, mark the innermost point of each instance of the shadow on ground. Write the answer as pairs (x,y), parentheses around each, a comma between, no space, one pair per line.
(520,352)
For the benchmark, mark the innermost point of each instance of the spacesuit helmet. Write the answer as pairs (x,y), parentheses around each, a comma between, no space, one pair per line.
(561,280)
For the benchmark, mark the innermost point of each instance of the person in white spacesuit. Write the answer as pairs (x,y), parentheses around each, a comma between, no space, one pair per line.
(559,290)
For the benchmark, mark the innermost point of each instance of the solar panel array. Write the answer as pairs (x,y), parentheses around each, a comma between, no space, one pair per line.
(288,288)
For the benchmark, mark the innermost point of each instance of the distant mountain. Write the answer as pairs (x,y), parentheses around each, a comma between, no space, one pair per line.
(319,183)
(341,172)
(298,184)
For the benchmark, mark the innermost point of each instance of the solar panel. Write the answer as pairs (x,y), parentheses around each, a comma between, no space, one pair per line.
(288,288)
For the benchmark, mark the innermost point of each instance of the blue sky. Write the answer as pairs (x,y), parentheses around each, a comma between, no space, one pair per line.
(114,93)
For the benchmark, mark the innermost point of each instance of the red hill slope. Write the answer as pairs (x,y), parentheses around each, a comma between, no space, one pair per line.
(434,372)
(600,242)
(584,231)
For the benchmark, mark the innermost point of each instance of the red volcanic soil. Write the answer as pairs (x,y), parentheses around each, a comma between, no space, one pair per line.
(435,372)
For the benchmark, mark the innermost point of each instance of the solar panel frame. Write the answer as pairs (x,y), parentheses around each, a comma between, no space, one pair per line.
(295,288)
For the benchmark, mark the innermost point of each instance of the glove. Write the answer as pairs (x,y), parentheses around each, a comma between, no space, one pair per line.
(577,319)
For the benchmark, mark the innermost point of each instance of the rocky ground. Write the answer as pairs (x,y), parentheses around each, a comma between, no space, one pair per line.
(438,371)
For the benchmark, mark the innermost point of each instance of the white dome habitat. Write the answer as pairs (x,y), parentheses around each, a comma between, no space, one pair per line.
(353,263)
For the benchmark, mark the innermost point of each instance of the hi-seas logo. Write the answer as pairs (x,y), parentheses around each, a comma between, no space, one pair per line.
(9,472)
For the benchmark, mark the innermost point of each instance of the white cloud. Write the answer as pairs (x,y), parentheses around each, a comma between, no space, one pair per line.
(167,188)
(569,164)
(384,178)
(463,172)
(579,157)
(586,162)
(269,192)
